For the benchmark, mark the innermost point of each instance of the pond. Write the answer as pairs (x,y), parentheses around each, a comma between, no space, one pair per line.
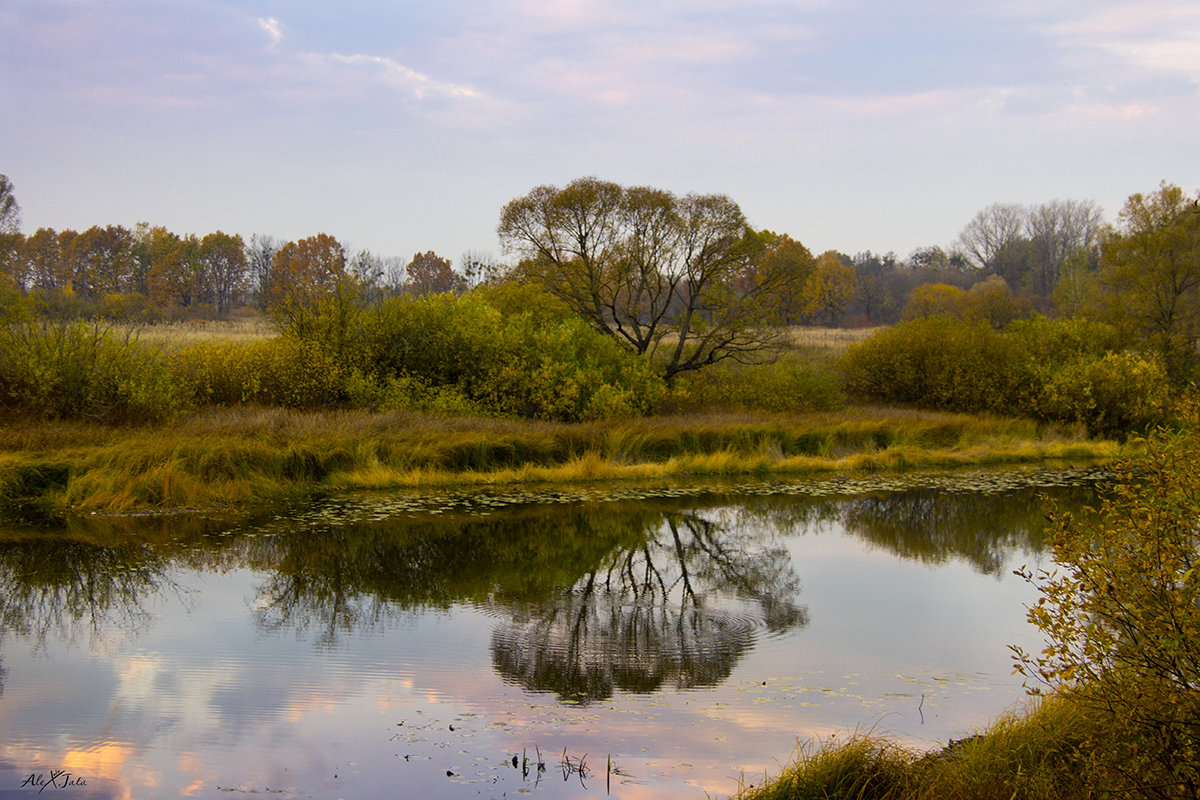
(649,642)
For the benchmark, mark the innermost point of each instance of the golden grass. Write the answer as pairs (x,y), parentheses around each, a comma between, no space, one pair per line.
(833,339)
(240,329)
(1035,753)
(232,457)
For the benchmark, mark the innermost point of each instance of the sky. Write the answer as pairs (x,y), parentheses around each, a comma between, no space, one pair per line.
(400,126)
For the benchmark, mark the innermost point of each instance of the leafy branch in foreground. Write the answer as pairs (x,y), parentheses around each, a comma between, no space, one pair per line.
(1121,618)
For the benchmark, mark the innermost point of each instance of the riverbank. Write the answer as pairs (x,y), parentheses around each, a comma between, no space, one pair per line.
(1037,753)
(231,457)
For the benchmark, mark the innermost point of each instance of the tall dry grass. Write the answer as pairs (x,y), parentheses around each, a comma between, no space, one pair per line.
(249,327)
(232,456)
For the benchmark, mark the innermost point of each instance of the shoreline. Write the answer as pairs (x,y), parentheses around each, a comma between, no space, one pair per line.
(233,458)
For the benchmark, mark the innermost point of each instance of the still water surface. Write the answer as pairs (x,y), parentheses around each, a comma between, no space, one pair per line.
(446,646)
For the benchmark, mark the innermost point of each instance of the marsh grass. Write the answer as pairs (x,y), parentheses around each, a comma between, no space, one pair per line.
(1033,753)
(236,329)
(829,341)
(234,456)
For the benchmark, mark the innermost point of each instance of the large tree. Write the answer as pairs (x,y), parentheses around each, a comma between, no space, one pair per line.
(429,273)
(11,241)
(990,232)
(172,267)
(674,278)
(222,277)
(829,288)
(1056,230)
(306,270)
(101,261)
(1149,278)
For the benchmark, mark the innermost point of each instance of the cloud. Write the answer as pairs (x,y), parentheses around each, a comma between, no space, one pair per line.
(1159,36)
(338,74)
(271,26)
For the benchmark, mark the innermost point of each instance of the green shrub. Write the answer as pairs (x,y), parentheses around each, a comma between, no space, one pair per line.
(284,371)
(82,370)
(1114,394)
(936,362)
(1052,370)
(791,384)
(460,353)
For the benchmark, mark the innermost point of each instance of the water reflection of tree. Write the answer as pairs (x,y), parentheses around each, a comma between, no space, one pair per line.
(339,579)
(934,526)
(681,608)
(50,586)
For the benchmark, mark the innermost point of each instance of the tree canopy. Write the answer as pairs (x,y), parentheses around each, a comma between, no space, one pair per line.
(677,279)
(1150,276)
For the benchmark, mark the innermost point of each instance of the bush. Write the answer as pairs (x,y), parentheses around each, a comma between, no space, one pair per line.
(1052,370)
(1114,394)
(135,308)
(460,353)
(82,370)
(1121,616)
(936,362)
(284,371)
(790,384)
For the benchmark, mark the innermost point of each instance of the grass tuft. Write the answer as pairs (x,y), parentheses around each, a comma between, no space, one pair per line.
(1031,754)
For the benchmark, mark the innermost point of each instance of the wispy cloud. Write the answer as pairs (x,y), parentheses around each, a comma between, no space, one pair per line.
(334,74)
(271,27)
(1160,36)
(390,73)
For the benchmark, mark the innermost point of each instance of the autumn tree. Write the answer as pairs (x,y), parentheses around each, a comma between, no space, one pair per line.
(783,255)
(1120,612)
(429,273)
(45,259)
(12,261)
(222,269)
(172,267)
(305,270)
(992,300)
(311,294)
(11,241)
(1149,279)
(933,299)
(668,276)
(829,288)
(101,261)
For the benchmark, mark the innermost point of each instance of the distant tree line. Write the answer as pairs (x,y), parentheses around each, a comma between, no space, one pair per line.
(148,270)
(685,280)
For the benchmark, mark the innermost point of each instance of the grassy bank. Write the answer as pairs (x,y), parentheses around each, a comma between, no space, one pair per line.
(1037,753)
(230,457)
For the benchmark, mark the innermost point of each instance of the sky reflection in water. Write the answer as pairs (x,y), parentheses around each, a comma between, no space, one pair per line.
(365,649)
